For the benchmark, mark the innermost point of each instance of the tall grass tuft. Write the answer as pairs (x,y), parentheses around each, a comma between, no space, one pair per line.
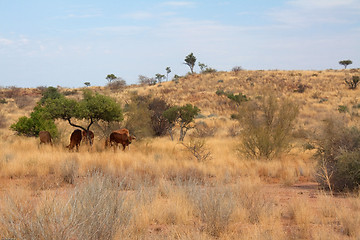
(95,209)
(214,206)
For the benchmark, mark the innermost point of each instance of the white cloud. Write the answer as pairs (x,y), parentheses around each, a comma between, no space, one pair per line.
(5,42)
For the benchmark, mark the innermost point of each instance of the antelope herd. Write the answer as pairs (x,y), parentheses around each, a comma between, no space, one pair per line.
(121,136)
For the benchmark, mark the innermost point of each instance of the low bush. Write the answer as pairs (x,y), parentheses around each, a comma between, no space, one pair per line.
(338,154)
(198,149)
(352,82)
(117,84)
(24,101)
(203,130)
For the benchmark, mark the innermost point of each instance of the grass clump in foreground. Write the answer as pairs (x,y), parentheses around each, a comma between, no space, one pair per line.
(93,210)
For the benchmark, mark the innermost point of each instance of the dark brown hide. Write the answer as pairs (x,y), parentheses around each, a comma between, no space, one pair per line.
(121,136)
(85,138)
(45,137)
(75,139)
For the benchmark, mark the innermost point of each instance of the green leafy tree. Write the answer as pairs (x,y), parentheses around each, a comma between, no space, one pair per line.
(87,84)
(183,116)
(38,121)
(92,108)
(190,60)
(345,63)
(168,70)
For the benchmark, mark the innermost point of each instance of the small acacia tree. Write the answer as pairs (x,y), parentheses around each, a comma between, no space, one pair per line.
(190,60)
(184,116)
(92,108)
(110,77)
(267,125)
(345,63)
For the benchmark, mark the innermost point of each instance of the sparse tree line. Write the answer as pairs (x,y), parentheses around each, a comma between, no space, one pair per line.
(116,83)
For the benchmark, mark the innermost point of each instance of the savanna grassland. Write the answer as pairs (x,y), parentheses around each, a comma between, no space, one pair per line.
(158,189)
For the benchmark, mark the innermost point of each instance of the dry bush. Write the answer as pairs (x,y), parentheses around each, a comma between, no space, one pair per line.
(198,149)
(202,130)
(117,84)
(12,92)
(24,101)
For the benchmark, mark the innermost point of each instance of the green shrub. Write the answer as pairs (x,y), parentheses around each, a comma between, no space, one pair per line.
(220,92)
(267,126)
(347,174)
(343,109)
(352,83)
(36,123)
(50,93)
(138,117)
(338,154)
(239,98)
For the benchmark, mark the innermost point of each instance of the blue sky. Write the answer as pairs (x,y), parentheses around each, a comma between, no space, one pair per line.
(67,43)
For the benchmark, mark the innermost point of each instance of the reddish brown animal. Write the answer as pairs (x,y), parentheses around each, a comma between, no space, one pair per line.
(85,137)
(121,136)
(45,137)
(75,139)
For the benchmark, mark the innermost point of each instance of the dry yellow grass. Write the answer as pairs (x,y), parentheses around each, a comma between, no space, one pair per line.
(165,192)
